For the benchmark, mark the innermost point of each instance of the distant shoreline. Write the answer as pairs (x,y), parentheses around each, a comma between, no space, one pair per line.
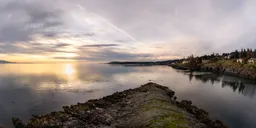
(6,62)
(141,63)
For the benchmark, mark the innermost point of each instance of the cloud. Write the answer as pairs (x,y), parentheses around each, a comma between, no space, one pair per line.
(145,29)
(99,45)
(89,34)
(107,55)
(61,45)
(215,23)
(27,19)
(33,48)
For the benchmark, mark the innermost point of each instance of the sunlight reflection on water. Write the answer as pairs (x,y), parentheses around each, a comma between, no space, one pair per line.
(27,89)
(69,70)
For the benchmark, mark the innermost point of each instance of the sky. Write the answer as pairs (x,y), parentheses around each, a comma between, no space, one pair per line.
(108,30)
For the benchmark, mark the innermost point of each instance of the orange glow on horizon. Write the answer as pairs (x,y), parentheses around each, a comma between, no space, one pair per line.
(27,58)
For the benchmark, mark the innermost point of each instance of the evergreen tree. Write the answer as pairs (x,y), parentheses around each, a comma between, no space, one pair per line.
(249,53)
(236,54)
(244,53)
(254,53)
(241,53)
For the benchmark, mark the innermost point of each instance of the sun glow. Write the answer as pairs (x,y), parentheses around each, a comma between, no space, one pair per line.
(69,70)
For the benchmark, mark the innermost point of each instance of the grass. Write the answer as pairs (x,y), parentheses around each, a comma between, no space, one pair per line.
(169,120)
(80,107)
(152,104)
(48,118)
(169,116)
(230,63)
(224,63)
(252,66)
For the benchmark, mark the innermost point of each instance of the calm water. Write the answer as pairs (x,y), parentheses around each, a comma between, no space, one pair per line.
(27,89)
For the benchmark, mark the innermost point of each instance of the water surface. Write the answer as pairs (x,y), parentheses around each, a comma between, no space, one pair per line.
(27,89)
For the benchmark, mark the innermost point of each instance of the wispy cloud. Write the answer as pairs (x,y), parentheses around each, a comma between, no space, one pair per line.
(99,45)
(110,24)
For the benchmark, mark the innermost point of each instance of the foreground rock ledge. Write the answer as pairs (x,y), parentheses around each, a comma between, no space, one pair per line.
(151,106)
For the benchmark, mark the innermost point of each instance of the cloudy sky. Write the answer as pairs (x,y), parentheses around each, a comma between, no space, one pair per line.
(106,30)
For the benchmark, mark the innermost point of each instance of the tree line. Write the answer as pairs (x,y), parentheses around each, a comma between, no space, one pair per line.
(244,53)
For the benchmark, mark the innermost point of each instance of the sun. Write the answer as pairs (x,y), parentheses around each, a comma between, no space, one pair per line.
(69,70)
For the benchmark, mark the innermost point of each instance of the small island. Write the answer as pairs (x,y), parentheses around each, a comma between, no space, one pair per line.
(5,62)
(145,63)
(149,106)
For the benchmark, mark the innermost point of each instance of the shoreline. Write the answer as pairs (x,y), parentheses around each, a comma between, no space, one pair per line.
(150,105)
(243,73)
(141,63)
(220,69)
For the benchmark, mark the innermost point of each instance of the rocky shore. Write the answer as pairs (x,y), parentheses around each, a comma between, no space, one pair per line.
(223,68)
(240,71)
(150,106)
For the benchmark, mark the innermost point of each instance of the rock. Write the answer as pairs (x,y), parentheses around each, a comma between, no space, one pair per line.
(150,105)
(200,114)
(185,104)
(170,93)
(219,124)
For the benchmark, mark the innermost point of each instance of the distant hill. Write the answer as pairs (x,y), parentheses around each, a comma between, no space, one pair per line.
(167,62)
(5,62)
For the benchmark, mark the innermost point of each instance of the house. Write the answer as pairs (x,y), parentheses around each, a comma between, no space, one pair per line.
(185,62)
(252,60)
(227,56)
(239,60)
(205,61)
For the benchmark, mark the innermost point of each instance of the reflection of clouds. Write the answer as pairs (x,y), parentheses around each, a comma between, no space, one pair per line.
(32,69)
